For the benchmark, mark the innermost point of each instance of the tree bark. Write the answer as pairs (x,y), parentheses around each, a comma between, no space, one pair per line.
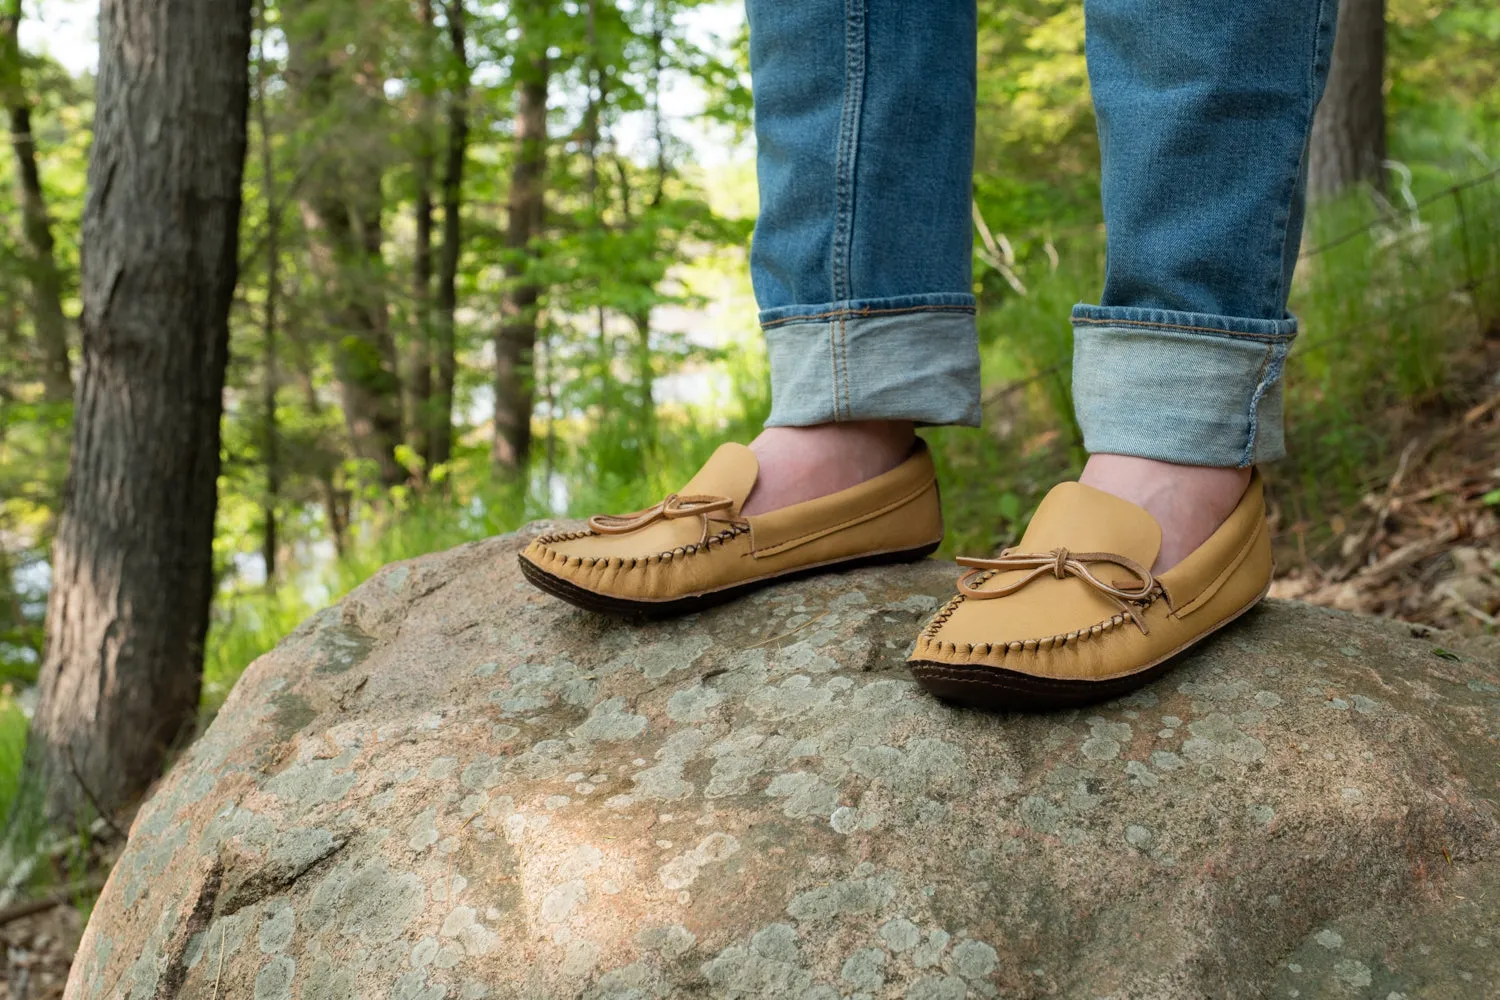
(270,374)
(641,318)
(133,559)
(418,381)
(444,346)
(515,341)
(42,276)
(335,501)
(1348,137)
(342,210)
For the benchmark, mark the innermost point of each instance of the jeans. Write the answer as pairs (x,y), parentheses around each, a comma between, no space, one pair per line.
(862,259)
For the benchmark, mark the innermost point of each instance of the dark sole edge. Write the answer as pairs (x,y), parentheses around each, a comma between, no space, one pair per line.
(999,690)
(653,610)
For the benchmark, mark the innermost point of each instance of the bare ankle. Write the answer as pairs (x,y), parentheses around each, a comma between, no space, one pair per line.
(1188,501)
(802,463)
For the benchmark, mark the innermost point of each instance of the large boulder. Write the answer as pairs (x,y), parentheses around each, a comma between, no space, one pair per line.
(452,786)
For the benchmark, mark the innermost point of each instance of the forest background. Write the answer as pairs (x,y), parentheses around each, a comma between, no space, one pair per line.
(492,268)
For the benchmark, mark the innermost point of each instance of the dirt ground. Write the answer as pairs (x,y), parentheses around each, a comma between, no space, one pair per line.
(1425,546)
(36,953)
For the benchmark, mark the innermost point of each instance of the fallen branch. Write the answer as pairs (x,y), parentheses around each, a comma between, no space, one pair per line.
(31,907)
(1482,410)
(1408,555)
(89,794)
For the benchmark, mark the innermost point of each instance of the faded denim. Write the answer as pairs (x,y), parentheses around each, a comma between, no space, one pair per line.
(1204,116)
(862,254)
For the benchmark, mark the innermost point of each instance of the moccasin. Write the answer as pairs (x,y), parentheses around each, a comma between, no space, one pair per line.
(694,549)
(1073,614)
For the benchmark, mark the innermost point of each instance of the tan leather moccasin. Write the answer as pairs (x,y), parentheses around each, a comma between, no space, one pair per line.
(694,549)
(1073,614)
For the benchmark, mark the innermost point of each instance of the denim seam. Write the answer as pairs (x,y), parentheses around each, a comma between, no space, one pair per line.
(844,343)
(1251,418)
(860,313)
(848,147)
(1266,338)
(848,150)
(833,367)
(1270,374)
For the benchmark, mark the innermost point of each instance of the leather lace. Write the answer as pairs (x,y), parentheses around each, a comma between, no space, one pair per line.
(1062,564)
(677,505)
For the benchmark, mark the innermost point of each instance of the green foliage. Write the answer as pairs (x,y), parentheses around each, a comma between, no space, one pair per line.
(12,746)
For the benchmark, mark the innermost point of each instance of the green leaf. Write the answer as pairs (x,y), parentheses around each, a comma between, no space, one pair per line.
(1010,506)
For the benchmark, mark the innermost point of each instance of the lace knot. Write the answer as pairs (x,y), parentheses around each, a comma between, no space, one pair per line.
(1062,564)
(676,505)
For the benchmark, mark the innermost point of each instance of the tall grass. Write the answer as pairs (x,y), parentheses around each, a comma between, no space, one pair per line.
(12,746)
(1393,300)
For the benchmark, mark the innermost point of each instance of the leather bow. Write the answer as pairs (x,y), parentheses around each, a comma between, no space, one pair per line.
(675,506)
(1062,564)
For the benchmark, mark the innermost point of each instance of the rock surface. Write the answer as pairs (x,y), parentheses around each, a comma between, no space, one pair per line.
(450,787)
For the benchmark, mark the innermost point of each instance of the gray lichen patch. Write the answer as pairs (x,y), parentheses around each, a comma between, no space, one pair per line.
(693,704)
(292,713)
(682,871)
(277,927)
(275,978)
(843,898)
(341,648)
(1217,737)
(611,721)
(377,904)
(314,782)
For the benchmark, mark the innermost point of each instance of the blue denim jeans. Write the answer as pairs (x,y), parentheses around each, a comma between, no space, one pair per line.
(862,260)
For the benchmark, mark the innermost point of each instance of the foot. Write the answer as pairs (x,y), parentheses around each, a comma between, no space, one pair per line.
(1072,615)
(798,464)
(695,548)
(1188,501)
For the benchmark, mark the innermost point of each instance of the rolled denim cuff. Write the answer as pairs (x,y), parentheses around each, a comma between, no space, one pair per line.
(911,358)
(1180,387)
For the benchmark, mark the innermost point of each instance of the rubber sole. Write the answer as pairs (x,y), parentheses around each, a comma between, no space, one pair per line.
(651,610)
(999,690)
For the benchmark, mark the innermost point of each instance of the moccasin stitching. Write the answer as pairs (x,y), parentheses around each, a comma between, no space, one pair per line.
(631,562)
(929,634)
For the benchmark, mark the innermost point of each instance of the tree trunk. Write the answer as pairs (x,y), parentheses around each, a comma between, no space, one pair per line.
(333,501)
(444,347)
(418,379)
(133,559)
(270,374)
(641,318)
(341,208)
(515,341)
(1348,137)
(41,265)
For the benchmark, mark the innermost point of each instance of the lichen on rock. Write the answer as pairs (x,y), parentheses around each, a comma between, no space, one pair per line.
(451,786)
